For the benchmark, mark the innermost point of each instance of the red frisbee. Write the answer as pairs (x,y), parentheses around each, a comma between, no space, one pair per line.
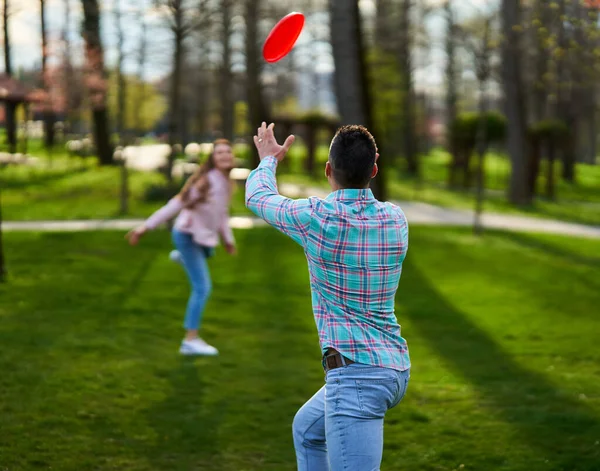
(283,36)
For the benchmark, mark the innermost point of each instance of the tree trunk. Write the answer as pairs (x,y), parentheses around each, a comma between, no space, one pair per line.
(72,88)
(483,68)
(2,265)
(96,79)
(385,34)
(534,165)
(514,102)
(451,91)
(225,85)
(563,108)
(120,128)
(257,111)
(592,135)
(550,174)
(174,125)
(141,94)
(48,111)
(311,146)
(351,85)
(9,107)
(540,90)
(408,99)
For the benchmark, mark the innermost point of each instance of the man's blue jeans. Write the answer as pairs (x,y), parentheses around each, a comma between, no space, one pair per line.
(341,426)
(194,261)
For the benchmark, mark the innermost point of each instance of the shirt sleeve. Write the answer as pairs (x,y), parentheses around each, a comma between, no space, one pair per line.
(292,217)
(225,231)
(167,212)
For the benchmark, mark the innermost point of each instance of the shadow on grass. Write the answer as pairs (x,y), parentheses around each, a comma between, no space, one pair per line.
(555,250)
(186,425)
(39,178)
(547,419)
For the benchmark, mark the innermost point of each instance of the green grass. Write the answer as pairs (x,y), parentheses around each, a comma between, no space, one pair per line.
(79,189)
(71,189)
(502,332)
(578,202)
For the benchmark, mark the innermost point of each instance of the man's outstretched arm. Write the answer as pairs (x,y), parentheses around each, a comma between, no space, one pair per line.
(292,217)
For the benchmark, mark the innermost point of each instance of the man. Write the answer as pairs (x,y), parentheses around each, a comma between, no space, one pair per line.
(355,246)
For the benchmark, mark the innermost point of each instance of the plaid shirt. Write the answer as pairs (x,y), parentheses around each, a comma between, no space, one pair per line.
(355,246)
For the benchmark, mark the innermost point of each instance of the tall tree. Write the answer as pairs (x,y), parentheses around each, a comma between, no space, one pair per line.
(71,88)
(121,84)
(452,31)
(514,101)
(540,87)
(257,110)
(141,68)
(409,141)
(181,19)
(351,80)
(482,58)
(2,264)
(9,107)
(10,123)
(48,111)
(226,77)
(96,79)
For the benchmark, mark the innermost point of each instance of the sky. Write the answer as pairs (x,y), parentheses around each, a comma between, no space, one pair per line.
(26,38)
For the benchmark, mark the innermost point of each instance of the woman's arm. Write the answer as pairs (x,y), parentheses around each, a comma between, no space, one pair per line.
(167,212)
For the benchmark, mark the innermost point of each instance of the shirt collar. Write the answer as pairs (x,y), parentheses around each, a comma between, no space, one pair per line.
(351,194)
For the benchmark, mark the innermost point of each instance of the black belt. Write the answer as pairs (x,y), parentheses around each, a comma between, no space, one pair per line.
(334,359)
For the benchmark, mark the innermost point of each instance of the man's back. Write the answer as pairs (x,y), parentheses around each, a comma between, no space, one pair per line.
(355,246)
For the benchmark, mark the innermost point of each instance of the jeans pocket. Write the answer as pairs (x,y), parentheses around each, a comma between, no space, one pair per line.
(402,382)
(376,397)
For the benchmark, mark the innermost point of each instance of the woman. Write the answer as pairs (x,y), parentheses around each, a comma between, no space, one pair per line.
(202,210)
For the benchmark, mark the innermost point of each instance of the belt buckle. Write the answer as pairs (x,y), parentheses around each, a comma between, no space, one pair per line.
(335,360)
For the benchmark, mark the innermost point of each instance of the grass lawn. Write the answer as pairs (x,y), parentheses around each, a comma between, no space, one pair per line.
(579,202)
(79,189)
(502,330)
(71,189)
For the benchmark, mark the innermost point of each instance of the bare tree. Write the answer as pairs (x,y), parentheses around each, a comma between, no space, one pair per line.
(72,89)
(49,118)
(482,51)
(97,83)
(257,109)
(351,82)
(182,21)
(452,31)
(141,67)
(121,85)
(10,107)
(514,101)
(408,99)
(226,77)
(10,123)
(2,264)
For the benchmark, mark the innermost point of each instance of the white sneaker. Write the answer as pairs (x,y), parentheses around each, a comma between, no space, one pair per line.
(197,347)
(175,256)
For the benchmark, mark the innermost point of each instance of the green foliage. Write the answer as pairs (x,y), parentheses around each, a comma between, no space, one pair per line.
(552,130)
(241,124)
(464,129)
(153,104)
(316,118)
(387,98)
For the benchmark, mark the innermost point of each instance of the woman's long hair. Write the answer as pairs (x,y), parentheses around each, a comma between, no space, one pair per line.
(199,179)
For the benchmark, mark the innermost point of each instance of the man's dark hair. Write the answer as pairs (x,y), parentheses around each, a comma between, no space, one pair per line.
(352,156)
